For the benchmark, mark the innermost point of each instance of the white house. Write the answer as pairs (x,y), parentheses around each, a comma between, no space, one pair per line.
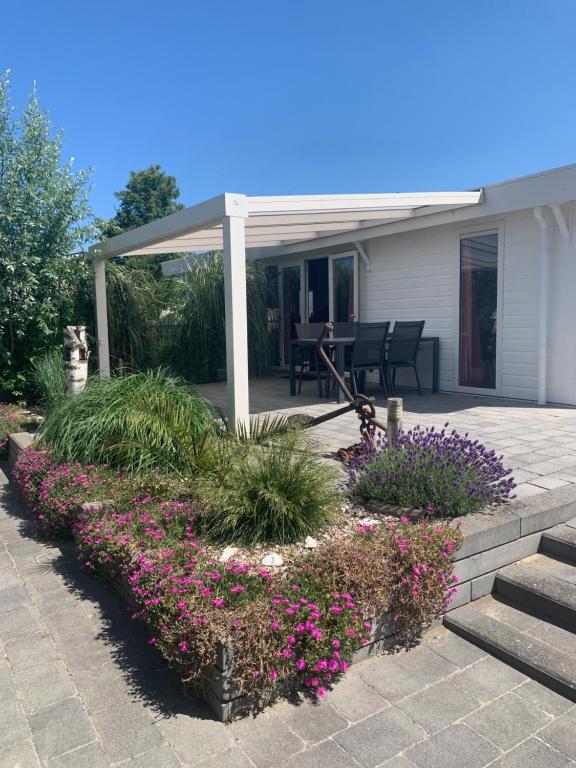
(492,272)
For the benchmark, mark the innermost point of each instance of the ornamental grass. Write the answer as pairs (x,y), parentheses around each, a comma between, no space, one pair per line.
(279,492)
(444,473)
(138,423)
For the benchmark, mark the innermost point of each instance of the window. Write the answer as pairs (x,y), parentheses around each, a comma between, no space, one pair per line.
(478,310)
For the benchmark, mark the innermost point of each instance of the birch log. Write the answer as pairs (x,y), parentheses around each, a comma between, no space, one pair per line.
(75,359)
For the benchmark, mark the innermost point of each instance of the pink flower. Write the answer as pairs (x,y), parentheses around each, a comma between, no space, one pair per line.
(300,665)
(183,646)
(218,602)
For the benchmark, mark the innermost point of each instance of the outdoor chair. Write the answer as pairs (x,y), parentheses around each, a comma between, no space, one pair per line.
(403,351)
(343,329)
(368,353)
(309,360)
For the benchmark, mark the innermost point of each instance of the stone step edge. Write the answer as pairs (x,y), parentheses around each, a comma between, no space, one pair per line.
(511,583)
(505,643)
(553,543)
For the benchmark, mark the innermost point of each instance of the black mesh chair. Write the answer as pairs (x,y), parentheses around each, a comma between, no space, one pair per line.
(403,350)
(309,361)
(368,353)
(343,329)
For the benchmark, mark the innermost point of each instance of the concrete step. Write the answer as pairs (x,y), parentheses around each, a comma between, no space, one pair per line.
(541,584)
(504,639)
(560,542)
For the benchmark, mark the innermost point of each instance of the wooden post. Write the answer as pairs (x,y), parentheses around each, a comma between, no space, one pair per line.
(395,413)
(75,359)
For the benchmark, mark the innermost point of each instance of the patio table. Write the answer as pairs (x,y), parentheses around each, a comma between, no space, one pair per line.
(340,343)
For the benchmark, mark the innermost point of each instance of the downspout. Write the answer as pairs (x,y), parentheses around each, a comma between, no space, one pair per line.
(544,258)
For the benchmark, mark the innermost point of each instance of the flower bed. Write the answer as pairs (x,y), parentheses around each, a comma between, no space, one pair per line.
(297,626)
(443,473)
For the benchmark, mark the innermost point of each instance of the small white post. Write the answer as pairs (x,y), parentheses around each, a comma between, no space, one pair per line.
(236,321)
(75,359)
(395,413)
(102,318)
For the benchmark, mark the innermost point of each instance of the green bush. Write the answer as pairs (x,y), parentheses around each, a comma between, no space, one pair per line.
(141,422)
(48,378)
(278,492)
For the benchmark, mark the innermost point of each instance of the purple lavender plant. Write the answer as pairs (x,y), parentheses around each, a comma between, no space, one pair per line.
(443,472)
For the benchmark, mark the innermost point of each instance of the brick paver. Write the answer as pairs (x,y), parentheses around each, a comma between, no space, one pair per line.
(538,442)
(81,688)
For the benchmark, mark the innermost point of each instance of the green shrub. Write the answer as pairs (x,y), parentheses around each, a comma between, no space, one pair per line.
(278,492)
(141,422)
(48,378)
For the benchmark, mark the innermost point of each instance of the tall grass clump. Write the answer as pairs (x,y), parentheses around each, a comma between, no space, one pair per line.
(139,300)
(48,378)
(279,492)
(141,422)
(203,332)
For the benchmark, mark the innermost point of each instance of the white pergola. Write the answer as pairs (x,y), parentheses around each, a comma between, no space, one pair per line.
(232,223)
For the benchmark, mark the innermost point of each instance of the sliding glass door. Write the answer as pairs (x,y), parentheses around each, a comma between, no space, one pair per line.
(316,290)
(478,311)
(344,280)
(290,307)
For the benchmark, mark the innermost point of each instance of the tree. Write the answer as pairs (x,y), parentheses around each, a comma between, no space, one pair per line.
(149,195)
(45,222)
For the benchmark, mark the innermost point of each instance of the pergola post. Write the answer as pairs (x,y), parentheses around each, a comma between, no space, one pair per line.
(102,318)
(236,322)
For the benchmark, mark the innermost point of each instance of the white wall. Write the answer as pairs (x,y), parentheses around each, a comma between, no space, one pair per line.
(562,316)
(414,276)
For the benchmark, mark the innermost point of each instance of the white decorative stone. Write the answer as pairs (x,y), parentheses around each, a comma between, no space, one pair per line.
(310,543)
(369,521)
(228,553)
(272,559)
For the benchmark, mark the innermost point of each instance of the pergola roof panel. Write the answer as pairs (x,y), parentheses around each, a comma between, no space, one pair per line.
(277,221)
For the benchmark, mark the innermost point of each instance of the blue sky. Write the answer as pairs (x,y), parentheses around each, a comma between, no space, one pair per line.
(323,96)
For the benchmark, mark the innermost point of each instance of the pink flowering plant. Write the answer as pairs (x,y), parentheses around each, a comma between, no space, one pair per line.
(65,488)
(296,627)
(28,472)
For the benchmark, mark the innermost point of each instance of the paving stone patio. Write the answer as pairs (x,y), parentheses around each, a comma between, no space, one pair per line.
(81,688)
(538,442)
